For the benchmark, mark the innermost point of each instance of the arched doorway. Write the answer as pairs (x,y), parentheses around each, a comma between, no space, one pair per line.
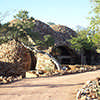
(63,54)
(33,61)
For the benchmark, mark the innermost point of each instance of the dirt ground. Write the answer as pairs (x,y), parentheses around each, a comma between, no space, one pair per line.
(52,88)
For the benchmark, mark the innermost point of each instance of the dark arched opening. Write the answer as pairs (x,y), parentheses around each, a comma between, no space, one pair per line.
(33,61)
(64,55)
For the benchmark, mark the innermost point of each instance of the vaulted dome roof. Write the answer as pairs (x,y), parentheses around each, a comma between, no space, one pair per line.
(60,33)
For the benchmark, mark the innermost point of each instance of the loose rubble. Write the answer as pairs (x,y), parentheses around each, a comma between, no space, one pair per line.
(71,69)
(11,75)
(66,69)
(5,79)
(90,91)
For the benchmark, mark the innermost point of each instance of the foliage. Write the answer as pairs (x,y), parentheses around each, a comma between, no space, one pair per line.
(22,27)
(89,38)
(83,40)
(3,28)
(48,41)
(4,34)
(95,22)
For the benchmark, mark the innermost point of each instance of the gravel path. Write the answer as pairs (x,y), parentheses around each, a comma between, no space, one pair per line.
(52,88)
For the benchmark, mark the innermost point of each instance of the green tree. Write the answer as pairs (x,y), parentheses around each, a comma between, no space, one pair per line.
(3,27)
(95,22)
(83,40)
(84,44)
(23,28)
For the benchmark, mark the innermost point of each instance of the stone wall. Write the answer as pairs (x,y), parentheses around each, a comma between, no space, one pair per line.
(14,59)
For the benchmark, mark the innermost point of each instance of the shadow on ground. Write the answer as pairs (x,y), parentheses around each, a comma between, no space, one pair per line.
(44,85)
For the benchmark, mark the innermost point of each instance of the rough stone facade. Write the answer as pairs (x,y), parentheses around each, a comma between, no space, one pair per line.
(14,59)
(60,33)
(44,62)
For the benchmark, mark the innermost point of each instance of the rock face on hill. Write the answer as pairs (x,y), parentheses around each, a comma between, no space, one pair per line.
(14,59)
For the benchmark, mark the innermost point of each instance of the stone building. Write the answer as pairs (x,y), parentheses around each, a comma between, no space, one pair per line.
(61,50)
(14,56)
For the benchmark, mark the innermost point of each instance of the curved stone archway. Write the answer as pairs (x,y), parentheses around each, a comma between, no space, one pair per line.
(33,61)
(64,55)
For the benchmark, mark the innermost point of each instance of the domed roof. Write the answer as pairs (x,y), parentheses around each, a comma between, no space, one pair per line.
(64,30)
(60,33)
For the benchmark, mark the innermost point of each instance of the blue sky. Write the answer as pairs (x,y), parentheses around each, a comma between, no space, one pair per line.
(65,12)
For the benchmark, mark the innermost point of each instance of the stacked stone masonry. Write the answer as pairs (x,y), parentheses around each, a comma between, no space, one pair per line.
(14,59)
(44,62)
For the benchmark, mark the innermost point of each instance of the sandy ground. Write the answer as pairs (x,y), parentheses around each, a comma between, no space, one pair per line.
(52,88)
